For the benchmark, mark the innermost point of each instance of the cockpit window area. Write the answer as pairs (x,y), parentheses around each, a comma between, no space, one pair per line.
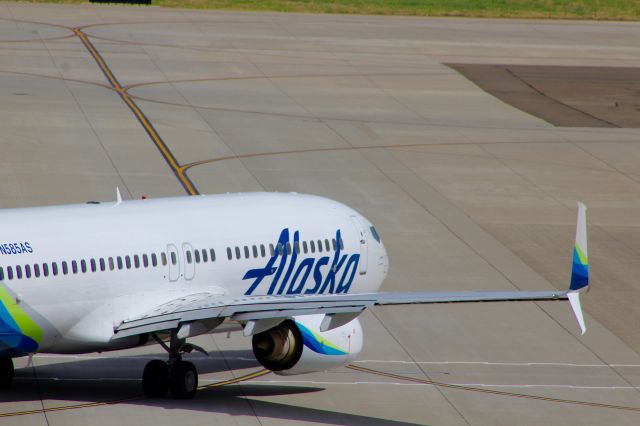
(374,233)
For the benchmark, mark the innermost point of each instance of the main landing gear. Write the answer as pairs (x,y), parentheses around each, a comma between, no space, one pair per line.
(6,372)
(178,376)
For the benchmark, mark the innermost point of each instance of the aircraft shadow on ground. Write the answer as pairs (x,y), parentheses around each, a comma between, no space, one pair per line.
(118,378)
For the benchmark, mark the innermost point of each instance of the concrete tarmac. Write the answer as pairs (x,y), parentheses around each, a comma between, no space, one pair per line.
(468,193)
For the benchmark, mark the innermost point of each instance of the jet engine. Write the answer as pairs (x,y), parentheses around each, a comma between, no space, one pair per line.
(297,346)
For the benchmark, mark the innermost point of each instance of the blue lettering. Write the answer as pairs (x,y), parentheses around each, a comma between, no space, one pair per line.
(352,266)
(29,249)
(336,264)
(12,248)
(281,250)
(294,255)
(305,269)
(317,275)
(260,273)
(2,250)
(295,274)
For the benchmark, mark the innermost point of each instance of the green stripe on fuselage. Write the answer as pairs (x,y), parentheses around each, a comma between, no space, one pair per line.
(26,326)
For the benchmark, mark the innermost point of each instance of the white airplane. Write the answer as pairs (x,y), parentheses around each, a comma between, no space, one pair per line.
(294,271)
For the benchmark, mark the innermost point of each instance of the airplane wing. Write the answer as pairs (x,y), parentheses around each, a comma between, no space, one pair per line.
(260,313)
(206,306)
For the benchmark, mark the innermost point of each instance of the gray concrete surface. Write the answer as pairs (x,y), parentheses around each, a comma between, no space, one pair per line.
(467,191)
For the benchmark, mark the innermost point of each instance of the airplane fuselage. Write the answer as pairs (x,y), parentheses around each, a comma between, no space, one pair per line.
(71,274)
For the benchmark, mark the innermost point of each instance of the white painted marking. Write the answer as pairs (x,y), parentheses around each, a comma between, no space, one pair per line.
(507,364)
(487,385)
(363,361)
(342,383)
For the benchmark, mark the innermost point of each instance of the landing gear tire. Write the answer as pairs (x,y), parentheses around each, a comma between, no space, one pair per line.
(6,372)
(155,379)
(183,380)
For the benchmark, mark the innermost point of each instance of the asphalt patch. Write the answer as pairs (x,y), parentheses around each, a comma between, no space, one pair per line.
(565,96)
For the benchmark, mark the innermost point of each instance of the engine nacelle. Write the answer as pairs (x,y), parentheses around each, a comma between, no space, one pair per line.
(298,346)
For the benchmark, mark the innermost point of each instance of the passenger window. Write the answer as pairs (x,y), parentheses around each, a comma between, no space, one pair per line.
(212,254)
(262,250)
(341,244)
(74,266)
(320,246)
(326,245)
(154,260)
(18,272)
(204,255)
(188,256)
(136,261)
(246,252)
(255,251)
(280,249)
(83,266)
(334,244)
(127,261)
(1,273)
(313,246)
(54,269)
(45,269)
(196,255)
(296,246)
(103,265)
(36,270)
(229,253)
(94,266)
(27,271)
(9,272)
(305,249)
(163,258)
(271,250)
(145,260)
(119,261)
(112,265)
(174,258)
(238,253)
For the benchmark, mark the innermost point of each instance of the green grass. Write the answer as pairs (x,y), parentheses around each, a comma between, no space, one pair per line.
(559,9)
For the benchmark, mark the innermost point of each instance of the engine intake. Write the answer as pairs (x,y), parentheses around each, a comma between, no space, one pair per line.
(280,347)
(298,346)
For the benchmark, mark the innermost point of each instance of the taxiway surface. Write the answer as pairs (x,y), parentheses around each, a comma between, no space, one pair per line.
(468,192)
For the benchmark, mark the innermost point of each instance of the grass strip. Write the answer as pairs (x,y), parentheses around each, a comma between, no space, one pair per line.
(555,9)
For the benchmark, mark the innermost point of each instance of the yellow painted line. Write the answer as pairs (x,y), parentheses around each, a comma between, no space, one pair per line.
(177,169)
(244,378)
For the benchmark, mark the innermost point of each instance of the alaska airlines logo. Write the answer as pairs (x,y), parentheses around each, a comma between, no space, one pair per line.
(330,274)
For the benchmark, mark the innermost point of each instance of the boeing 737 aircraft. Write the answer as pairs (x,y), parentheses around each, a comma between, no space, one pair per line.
(294,271)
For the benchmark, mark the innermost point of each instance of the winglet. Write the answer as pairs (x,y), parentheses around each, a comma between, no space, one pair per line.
(580,267)
(574,300)
(118,197)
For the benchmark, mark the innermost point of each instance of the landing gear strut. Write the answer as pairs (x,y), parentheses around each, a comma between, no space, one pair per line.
(6,372)
(178,376)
